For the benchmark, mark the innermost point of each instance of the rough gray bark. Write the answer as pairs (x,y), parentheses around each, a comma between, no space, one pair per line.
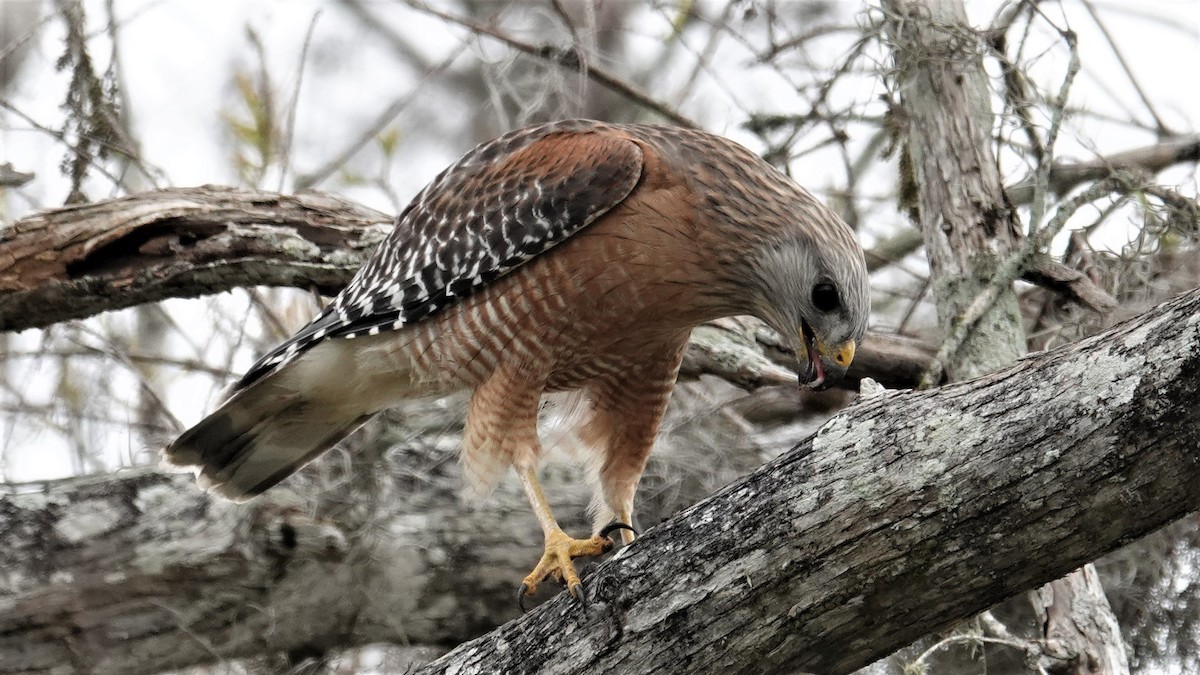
(968,225)
(970,228)
(140,572)
(1078,640)
(183,242)
(906,513)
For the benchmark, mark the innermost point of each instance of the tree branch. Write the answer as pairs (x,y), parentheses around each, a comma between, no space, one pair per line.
(78,261)
(904,514)
(10,177)
(972,234)
(568,59)
(1065,176)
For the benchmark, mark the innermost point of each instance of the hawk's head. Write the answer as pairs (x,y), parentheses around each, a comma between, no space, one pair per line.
(813,289)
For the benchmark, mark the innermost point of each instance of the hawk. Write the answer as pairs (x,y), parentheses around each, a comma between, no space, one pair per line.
(576,255)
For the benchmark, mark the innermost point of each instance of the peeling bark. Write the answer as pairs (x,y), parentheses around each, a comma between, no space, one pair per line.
(906,513)
(184,242)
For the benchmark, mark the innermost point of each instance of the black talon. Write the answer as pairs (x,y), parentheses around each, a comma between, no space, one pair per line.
(617,525)
(577,593)
(521,597)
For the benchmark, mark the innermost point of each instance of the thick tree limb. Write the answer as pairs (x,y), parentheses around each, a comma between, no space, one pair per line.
(1065,176)
(184,242)
(906,513)
(140,572)
(973,237)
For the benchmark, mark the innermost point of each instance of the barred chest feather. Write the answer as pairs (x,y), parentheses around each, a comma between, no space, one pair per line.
(602,304)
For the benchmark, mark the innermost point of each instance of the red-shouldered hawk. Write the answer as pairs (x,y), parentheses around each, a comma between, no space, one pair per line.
(576,255)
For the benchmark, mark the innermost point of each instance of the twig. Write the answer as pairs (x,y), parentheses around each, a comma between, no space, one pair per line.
(791,43)
(568,59)
(372,130)
(1016,87)
(705,55)
(1041,184)
(893,249)
(131,153)
(1162,127)
(61,138)
(84,350)
(285,152)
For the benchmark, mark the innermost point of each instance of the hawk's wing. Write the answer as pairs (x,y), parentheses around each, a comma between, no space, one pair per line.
(502,204)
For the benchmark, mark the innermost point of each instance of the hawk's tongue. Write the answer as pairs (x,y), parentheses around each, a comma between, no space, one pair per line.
(815,359)
(814,367)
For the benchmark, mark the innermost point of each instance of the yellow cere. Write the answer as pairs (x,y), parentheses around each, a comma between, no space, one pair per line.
(845,354)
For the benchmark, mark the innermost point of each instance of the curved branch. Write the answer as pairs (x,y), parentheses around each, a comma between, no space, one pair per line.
(182,242)
(906,513)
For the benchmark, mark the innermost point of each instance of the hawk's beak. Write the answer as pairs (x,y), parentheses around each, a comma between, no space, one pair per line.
(820,366)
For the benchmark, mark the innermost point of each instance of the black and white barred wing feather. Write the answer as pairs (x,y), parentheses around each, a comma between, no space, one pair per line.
(501,205)
(498,207)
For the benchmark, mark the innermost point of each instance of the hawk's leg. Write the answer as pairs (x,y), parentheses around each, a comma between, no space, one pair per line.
(627,409)
(561,549)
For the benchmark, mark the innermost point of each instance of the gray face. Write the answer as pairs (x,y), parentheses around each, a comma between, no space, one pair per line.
(781,245)
(817,297)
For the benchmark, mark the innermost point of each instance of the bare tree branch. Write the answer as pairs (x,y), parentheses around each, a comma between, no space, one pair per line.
(569,59)
(10,177)
(974,239)
(79,261)
(1064,176)
(904,514)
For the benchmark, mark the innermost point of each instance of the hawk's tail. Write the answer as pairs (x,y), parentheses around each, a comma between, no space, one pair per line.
(263,434)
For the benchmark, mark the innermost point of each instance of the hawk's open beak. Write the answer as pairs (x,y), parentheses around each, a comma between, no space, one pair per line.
(820,366)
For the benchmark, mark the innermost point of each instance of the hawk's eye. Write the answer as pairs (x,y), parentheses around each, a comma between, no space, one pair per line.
(825,297)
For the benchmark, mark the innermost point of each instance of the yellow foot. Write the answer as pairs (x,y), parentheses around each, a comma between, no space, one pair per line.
(556,562)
